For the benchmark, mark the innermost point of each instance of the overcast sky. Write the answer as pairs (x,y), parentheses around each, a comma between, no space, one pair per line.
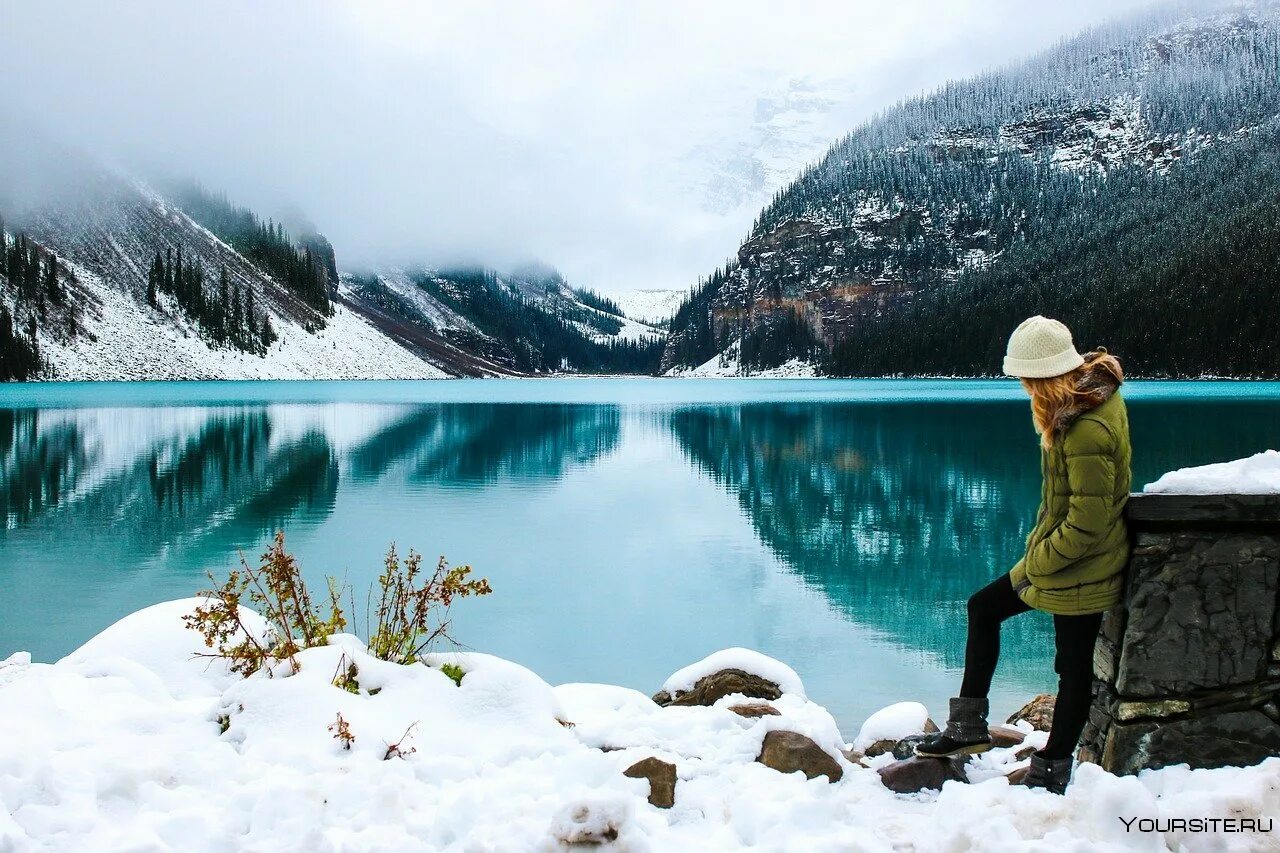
(630,144)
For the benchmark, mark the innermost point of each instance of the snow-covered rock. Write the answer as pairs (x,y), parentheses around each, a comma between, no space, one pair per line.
(155,646)
(892,723)
(1256,475)
(753,662)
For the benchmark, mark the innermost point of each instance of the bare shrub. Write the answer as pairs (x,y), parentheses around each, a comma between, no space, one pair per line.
(398,749)
(412,613)
(275,589)
(342,732)
(413,608)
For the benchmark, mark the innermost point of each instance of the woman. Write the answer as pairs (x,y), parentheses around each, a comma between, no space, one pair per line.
(1076,554)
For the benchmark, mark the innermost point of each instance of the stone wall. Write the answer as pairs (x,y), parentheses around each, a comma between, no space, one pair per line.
(1188,667)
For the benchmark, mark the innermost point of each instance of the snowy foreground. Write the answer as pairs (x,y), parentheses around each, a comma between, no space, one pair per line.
(121,745)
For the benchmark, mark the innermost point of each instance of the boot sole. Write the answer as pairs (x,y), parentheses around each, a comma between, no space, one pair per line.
(975,749)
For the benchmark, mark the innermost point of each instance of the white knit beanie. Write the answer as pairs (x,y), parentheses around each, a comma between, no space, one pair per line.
(1040,348)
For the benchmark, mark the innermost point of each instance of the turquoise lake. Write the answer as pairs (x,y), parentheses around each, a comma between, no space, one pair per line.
(628,526)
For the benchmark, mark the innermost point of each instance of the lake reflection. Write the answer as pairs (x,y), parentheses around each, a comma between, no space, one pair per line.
(624,537)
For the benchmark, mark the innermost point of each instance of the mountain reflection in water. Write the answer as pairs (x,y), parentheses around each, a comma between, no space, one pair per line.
(623,540)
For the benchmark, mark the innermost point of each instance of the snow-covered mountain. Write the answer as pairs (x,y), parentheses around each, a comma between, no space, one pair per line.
(103,241)
(789,126)
(110,279)
(651,305)
(480,322)
(918,222)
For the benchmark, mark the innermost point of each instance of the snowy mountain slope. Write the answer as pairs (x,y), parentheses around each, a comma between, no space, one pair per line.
(789,125)
(651,306)
(404,312)
(106,233)
(940,189)
(632,330)
(123,339)
(728,365)
(144,290)
(477,321)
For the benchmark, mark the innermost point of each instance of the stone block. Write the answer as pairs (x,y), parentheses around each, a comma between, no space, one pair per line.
(1201,615)
(1126,711)
(1235,738)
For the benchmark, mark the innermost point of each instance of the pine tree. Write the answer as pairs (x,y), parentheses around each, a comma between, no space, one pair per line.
(155,276)
(224,304)
(52,287)
(178,282)
(268,333)
(237,317)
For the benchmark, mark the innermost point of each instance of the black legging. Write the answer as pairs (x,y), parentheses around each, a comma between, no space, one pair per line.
(1074,637)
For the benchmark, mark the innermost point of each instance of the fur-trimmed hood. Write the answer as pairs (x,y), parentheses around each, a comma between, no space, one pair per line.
(1099,382)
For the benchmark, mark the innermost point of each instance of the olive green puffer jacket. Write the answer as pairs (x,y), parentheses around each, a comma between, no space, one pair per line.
(1078,550)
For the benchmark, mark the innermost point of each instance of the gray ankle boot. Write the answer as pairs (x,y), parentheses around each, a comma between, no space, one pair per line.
(1052,775)
(966,732)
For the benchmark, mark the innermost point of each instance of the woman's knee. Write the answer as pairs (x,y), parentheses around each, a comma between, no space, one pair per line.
(1075,669)
(980,609)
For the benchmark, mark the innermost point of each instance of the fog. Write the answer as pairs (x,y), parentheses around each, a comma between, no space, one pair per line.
(628,144)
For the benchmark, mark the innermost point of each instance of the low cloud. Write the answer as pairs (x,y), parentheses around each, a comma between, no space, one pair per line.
(629,144)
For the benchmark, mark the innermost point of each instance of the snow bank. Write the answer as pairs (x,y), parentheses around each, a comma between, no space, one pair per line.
(129,744)
(1257,475)
(892,723)
(154,646)
(744,659)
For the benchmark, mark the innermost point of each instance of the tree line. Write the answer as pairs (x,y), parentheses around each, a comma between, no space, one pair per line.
(267,244)
(228,315)
(532,339)
(35,281)
(1174,288)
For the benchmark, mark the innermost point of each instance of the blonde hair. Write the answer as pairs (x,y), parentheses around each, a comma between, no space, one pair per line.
(1052,396)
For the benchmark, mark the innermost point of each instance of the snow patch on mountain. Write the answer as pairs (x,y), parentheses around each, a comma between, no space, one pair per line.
(728,365)
(123,339)
(650,305)
(788,125)
(632,330)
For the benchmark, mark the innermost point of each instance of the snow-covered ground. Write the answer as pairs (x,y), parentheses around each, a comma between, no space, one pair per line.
(727,365)
(124,339)
(650,306)
(131,743)
(632,330)
(1257,475)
